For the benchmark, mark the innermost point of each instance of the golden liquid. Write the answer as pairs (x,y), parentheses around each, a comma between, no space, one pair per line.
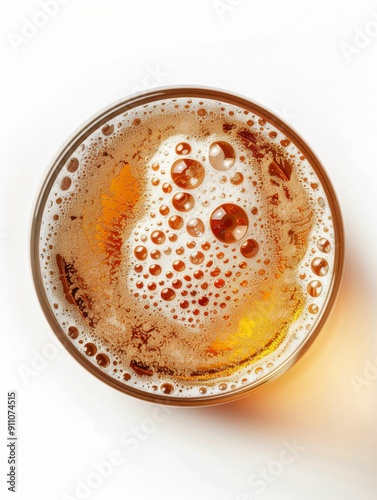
(179,244)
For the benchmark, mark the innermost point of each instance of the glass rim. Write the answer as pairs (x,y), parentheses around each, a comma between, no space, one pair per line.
(100,118)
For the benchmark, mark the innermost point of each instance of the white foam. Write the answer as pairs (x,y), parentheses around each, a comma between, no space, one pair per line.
(214,191)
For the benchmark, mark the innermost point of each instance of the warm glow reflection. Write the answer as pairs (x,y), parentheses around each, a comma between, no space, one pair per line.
(316,399)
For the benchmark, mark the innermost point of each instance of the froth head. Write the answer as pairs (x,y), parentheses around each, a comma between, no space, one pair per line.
(187,235)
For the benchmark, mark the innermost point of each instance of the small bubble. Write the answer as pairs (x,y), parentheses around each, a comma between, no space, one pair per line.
(108,129)
(141,252)
(236,179)
(155,254)
(203,301)
(179,265)
(321,202)
(313,308)
(197,257)
(221,155)
(158,237)
(314,288)
(155,269)
(195,227)
(223,387)
(166,187)
(183,202)
(324,245)
(167,294)
(90,349)
(73,332)
(176,222)
(220,283)
(177,284)
(250,248)
(164,210)
(183,148)
(65,183)
(320,266)
(73,165)
(102,360)
(167,388)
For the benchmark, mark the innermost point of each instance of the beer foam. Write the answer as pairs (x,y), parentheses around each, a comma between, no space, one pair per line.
(187,247)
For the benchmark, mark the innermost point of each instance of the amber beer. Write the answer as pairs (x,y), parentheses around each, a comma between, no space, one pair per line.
(187,245)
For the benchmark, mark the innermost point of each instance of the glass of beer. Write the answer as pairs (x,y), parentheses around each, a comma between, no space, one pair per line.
(186,246)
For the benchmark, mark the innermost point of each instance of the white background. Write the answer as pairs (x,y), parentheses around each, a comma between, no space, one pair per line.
(293,57)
